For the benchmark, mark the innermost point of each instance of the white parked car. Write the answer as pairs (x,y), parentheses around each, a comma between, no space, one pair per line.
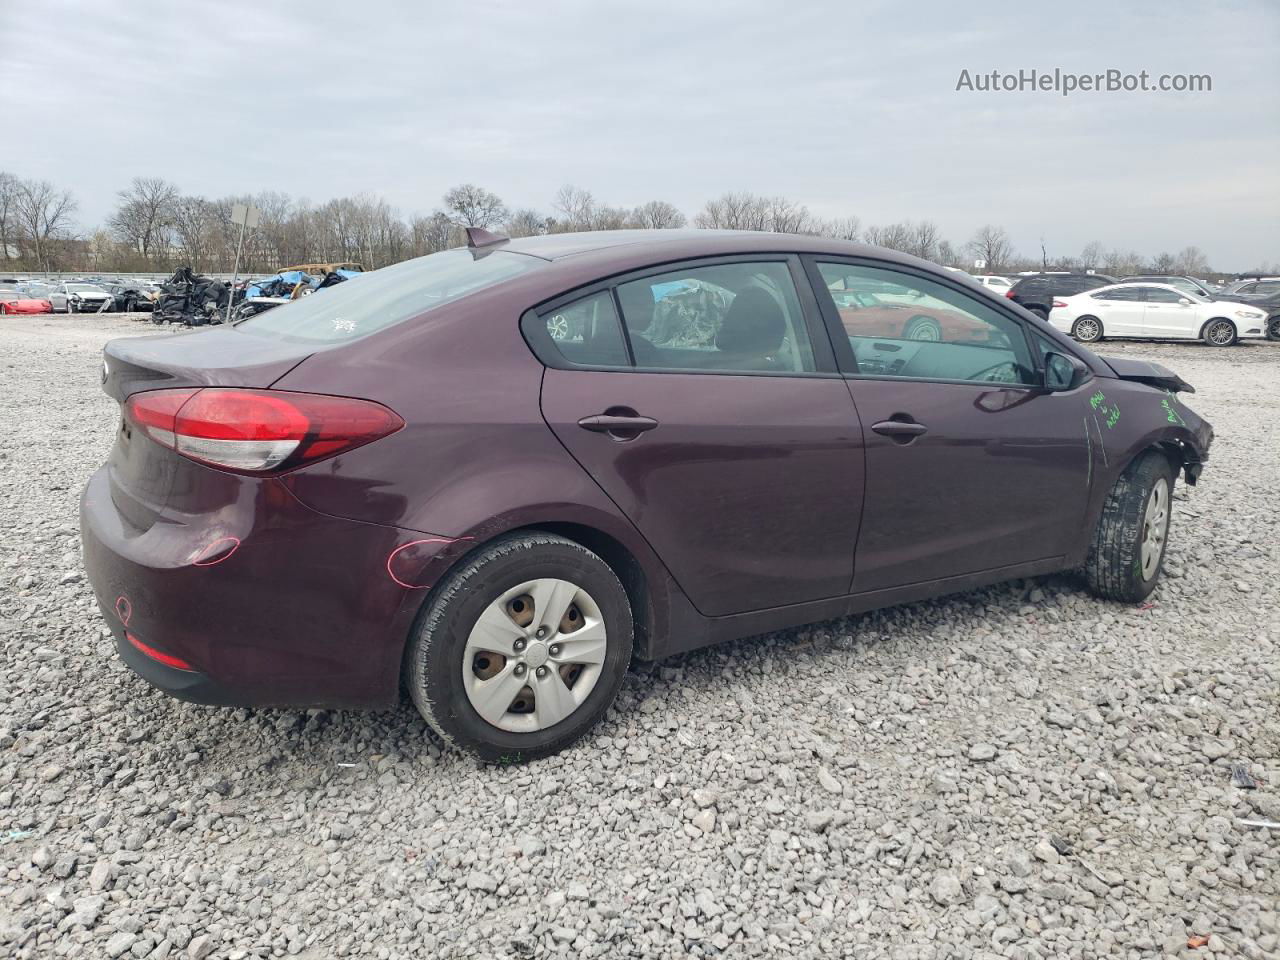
(86,297)
(1000,285)
(1156,311)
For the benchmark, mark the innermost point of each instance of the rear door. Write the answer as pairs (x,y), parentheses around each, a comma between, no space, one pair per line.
(971,464)
(1120,309)
(716,421)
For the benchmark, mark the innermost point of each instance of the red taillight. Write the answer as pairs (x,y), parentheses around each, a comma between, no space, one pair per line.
(258,431)
(168,659)
(1059,303)
(1009,293)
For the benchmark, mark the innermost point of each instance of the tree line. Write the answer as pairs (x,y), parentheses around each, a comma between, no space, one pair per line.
(156,227)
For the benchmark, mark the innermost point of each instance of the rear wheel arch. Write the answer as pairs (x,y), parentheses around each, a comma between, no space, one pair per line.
(616,555)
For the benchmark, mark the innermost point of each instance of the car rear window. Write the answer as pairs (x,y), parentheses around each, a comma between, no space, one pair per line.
(380,298)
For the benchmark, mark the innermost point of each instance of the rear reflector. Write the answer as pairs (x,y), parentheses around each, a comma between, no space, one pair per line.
(158,656)
(258,431)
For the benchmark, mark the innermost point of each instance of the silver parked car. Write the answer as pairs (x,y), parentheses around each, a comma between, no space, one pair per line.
(87,297)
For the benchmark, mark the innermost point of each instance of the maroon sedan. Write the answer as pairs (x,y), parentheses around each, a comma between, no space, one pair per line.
(496,474)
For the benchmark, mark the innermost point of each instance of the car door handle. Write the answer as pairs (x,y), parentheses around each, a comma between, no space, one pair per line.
(618,426)
(903,431)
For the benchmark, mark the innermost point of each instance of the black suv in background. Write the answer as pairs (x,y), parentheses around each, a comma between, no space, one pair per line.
(1036,292)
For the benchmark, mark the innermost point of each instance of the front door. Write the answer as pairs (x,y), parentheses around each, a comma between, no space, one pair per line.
(971,464)
(1169,314)
(717,435)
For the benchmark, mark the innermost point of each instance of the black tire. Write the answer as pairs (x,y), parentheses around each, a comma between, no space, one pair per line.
(1041,312)
(1090,332)
(923,328)
(1273,327)
(1115,566)
(434,661)
(1219,332)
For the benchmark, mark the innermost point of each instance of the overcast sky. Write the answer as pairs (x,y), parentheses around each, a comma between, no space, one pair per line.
(849,107)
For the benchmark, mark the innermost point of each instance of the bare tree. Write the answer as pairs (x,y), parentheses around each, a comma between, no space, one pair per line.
(1092,256)
(1164,263)
(992,245)
(43,217)
(472,206)
(948,255)
(526,222)
(734,211)
(8,214)
(433,233)
(656,215)
(1120,263)
(195,225)
(1192,261)
(841,228)
(923,241)
(577,209)
(143,217)
(895,236)
(785,216)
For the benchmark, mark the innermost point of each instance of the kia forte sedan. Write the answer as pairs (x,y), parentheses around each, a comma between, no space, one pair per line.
(494,475)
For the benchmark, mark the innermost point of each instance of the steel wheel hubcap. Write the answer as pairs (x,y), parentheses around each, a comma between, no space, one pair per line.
(1155,527)
(534,655)
(1220,333)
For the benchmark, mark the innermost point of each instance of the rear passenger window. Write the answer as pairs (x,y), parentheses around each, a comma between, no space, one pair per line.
(740,317)
(587,332)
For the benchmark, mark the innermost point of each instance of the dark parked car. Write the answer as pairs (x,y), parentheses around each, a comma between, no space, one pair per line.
(496,474)
(131,298)
(1037,291)
(1186,284)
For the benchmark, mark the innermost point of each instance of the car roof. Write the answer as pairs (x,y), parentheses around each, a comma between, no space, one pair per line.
(647,245)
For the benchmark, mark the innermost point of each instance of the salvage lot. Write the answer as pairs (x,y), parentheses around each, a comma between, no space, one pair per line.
(887,785)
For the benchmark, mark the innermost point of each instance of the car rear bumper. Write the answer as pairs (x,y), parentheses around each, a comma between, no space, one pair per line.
(267,601)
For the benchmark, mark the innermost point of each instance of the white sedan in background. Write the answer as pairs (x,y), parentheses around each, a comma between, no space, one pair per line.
(1155,311)
(1000,285)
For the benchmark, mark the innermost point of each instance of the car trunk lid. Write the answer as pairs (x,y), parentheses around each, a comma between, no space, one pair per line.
(148,481)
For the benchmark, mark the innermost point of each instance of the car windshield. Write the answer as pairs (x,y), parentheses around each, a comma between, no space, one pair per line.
(83,288)
(380,298)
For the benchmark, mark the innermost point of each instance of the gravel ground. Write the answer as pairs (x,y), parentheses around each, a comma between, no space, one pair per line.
(1021,771)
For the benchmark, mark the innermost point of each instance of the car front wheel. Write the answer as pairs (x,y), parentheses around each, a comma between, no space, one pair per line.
(1220,333)
(521,650)
(1087,330)
(1129,543)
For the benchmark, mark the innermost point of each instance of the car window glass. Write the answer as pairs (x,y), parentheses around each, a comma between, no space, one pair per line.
(1116,293)
(734,316)
(907,326)
(1160,295)
(588,332)
(1268,286)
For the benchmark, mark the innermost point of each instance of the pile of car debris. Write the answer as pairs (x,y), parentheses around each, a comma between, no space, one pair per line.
(191,300)
(290,284)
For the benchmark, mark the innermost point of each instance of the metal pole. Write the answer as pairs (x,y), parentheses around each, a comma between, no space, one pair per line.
(235,272)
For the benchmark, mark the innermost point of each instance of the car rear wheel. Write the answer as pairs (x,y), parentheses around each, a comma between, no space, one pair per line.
(1087,329)
(521,650)
(1129,543)
(1220,333)
(923,328)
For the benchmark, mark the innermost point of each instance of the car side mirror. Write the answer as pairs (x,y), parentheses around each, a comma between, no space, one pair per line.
(1063,372)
